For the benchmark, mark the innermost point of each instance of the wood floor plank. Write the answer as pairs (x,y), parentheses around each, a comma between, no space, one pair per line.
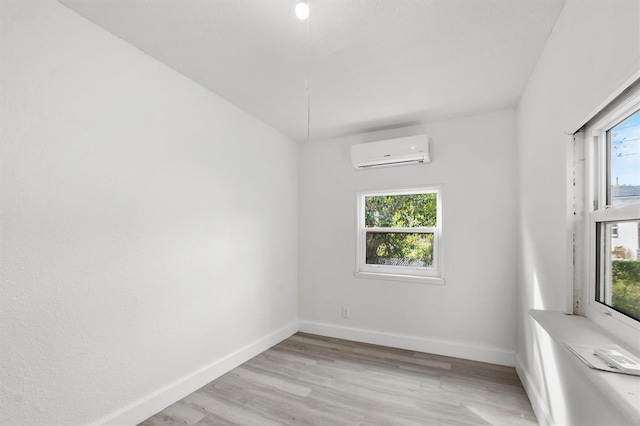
(314,380)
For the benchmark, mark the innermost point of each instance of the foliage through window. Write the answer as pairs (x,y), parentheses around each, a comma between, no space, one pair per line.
(400,232)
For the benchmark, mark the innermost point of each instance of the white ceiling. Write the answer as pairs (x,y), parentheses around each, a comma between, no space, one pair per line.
(373,64)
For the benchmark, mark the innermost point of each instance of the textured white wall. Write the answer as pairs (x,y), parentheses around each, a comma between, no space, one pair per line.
(149,228)
(594,48)
(473,315)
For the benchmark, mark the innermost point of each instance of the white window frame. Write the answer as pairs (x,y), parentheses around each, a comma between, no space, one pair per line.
(430,275)
(596,210)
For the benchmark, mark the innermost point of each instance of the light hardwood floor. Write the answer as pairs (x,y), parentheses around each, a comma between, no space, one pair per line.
(313,380)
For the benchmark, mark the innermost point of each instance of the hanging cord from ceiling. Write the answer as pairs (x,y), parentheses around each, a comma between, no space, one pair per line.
(302,12)
(308,78)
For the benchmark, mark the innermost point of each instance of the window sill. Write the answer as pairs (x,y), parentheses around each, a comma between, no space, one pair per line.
(396,277)
(623,391)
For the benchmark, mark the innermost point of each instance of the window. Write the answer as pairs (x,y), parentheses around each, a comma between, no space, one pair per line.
(612,195)
(399,235)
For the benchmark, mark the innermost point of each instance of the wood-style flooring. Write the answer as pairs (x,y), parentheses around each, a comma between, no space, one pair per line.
(313,380)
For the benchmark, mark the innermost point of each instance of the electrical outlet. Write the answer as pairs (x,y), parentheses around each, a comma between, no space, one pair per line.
(345,312)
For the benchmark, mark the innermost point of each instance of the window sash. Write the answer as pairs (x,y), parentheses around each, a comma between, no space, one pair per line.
(398,269)
(599,212)
(601,286)
(616,214)
(421,230)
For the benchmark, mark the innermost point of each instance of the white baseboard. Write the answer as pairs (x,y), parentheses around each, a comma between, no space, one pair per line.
(154,402)
(458,349)
(537,402)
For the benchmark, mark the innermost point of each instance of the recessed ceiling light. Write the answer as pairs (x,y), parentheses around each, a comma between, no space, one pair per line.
(302,10)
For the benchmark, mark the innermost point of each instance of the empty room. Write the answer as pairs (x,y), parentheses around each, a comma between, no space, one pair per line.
(319,212)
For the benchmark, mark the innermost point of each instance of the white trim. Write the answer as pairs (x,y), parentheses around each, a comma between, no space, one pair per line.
(397,277)
(579,224)
(571,226)
(474,351)
(156,401)
(618,214)
(538,403)
(635,77)
(616,114)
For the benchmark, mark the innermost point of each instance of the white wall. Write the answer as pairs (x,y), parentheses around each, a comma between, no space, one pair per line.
(473,315)
(594,48)
(149,228)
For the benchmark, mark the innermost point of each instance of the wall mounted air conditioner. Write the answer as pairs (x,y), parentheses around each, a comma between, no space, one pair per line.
(391,152)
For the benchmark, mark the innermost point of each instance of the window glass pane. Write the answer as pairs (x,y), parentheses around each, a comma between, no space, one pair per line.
(401,211)
(619,280)
(624,162)
(399,249)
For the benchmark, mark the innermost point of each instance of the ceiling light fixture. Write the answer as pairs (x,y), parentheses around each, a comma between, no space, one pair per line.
(302,10)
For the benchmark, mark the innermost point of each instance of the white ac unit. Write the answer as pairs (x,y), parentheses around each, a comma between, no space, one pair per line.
(391,152)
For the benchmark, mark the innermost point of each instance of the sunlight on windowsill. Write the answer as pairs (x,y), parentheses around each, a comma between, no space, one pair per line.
(623,391)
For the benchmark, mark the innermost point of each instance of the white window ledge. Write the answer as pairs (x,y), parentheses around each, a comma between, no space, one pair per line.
(622,390)
(397,277)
